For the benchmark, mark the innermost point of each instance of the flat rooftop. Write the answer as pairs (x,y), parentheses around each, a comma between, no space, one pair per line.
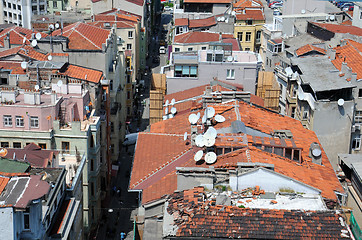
(237,57)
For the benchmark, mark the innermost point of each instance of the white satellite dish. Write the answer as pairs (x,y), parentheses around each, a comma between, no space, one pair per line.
(34,43)
(24,65)
(173,101)
(212,132)
(218,19)
(166,102)
(204,119)
(185,136)
(219,118)
(36,87)
(24,40)
(199,140)
(340,102)
(302,11)
(209,141)
(173,110)
(59,83)
(198,115)
(316,152)
(51,27)
(193,118)
(50,57)
(233,13)
(198,155)
(170,116)
(57,25)
(210,111)
(164,117)
(38,36)
(166,110)
(210,157)
(230,58)
(227,20)
(222,19)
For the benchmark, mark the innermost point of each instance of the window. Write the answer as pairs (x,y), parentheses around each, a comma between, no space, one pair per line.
(129,46)
(5,13)
(292,114)
(356,143)
(55,4)
(4,144)
(358,117)
(128,94)
(258,35)
(130,34)
(92,164)
(248,37)
(7,121)
(247,49)
(19,121)
(43,145)
(189,49)
(112,148)
(249,22)
(65,147)
(230,74)
(185,71)
(14,6)
(240,36)
(360,92)
(177,49)
(203,48)
(19,7)
(360,15)
(34,122)
(26,215)
(306,113)
(16,144)
(112,127)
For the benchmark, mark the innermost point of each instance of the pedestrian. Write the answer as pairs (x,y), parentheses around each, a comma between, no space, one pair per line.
(123,235)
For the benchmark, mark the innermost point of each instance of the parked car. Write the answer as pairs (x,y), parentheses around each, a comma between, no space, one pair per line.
(162,50)
(276,5)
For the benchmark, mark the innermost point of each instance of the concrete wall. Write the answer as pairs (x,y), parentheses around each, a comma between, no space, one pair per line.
(7,222)
(185,47)
(357,11)
(219,8)
(245,74)
(332,124)
(309,6)
(270,182)
(188,181)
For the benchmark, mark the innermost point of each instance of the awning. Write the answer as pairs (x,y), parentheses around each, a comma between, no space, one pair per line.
(178,68)
(186,70)
(193,70)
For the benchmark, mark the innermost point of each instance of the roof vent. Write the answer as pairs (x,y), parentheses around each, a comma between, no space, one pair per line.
(315,153)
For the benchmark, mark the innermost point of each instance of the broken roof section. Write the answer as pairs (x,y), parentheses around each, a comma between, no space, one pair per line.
(191,214)
(249,134)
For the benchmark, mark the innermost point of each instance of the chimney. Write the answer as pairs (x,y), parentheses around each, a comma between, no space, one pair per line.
(344,67)
(7,44)
(353,77)
(331,53)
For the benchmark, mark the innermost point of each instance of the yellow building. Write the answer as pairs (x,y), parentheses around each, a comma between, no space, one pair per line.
(247,28)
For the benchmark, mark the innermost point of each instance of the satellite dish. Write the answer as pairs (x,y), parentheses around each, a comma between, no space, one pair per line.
(209,141)
(211,132)
(173,101)
(198,115)
(34,43)
(24,40)
(204,119)
(219,118)
(36,87)
(302,11)
(166,110)
(210,157)
(51,27)
(218,19)
(185,136)
(38,36)
(193,118)
(199,140)
(222,19)
(340,102)
(170,116)
(57,25)
(50,57)
(227,20)
(166,102)
(198,155)
(210,111)
(3,152)
(233,13)
(230,58)
(59,83)
(164,117)
(331,17)
(24,65)
(173,110)
(316,152)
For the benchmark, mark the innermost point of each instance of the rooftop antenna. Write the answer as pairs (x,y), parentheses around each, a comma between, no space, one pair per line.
(211,131)
(204,118)
(209,141)
(50,57)
(60,83)
(24,65)
(198,155)
(36,87)
(340,102)
(51,29)
(210,112)
(210,157)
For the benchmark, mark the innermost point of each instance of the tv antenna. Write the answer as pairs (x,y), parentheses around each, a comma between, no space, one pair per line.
(210,112)
(36,87)
(166,103)
(173,101)
(50,57)
(166,110)
(60,83)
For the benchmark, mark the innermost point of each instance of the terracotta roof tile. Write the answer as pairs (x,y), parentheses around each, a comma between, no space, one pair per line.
(194,216)
(3,182)
(181,22)
(248,4)
(84,36)
(338,28)
(256,15)
(17,35)
(197,37)
(14,67)
(82,73)
(351,53)
(308,49)
(235,43)
(347,22)
(108,24)
(205,22)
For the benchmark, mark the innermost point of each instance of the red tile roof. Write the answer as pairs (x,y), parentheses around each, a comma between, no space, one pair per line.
(208,1)
(351,53)
(137,2)
(194,216)
(35,189)
(29,52)
(248,4)
(14,67)
(308,49)
(108,24)
(3,182)
(338,28)
(256,15)
(181,22)
(117,15)
(234,42)
(34,155)
(151,168)
(347,22)
(197,37)
(82,73)
(206,22)
(84,36)
(17,35)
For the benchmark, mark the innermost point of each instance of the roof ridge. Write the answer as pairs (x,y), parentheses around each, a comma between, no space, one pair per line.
(87,38)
